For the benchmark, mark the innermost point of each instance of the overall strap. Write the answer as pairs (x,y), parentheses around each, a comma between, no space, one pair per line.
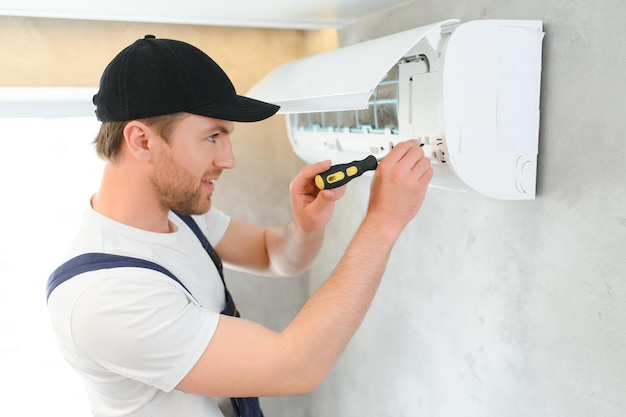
(230,308)
(95,261)
(243,407)
(191,223)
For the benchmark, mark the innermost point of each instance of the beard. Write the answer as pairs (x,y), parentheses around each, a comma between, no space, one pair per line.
(177,189)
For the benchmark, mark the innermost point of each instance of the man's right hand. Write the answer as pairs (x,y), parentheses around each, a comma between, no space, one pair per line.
(399,185)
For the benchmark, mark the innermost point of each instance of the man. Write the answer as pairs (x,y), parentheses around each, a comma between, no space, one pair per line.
(147,345)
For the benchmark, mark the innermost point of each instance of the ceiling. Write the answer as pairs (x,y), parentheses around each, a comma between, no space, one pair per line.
(289,14)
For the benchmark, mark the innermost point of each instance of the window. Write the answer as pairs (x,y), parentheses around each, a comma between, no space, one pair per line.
(48,171)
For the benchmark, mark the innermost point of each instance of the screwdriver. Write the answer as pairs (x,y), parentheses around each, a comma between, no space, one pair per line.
(338,175)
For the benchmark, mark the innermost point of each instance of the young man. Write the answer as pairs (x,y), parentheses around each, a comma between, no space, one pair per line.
(147,345)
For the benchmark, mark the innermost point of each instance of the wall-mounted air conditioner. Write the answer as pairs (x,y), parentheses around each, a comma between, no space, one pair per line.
(468,91)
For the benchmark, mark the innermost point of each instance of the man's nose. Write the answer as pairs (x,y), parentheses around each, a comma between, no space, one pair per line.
(225,158)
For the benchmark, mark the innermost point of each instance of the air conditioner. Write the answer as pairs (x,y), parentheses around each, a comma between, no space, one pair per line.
(468,91)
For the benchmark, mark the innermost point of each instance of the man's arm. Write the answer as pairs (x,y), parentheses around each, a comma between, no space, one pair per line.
(247,359)
(290,249)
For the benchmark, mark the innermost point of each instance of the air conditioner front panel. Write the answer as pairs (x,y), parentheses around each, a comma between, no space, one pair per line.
(491,75)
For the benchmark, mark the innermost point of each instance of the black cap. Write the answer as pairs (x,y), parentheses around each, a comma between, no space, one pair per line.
(154,77)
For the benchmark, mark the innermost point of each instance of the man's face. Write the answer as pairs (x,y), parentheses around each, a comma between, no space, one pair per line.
(185,170)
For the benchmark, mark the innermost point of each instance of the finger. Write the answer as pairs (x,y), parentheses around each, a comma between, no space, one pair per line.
(422,168)
(310,171)
(414,156)
(334,194)
(407,155)
(339,192)
(400,150)
(304,183)
(411,156)
(322,202)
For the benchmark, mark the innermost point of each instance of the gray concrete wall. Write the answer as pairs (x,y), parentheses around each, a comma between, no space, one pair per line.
(494,308)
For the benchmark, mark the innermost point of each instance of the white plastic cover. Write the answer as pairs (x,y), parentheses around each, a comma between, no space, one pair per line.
(312,84)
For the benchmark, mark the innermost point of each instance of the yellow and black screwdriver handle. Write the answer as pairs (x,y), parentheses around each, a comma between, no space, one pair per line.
(341,174)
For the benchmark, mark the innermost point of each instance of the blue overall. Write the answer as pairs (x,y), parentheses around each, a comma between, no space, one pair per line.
(243,407)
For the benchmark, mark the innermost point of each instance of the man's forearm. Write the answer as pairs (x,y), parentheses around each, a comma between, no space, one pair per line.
(291,250)
(322,329)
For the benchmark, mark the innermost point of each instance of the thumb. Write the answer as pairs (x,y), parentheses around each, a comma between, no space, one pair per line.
(326,196)
(324,200)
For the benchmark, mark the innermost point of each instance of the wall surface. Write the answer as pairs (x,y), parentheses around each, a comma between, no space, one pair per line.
(494,308)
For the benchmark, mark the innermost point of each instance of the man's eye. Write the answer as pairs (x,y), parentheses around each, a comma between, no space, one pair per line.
(212,138)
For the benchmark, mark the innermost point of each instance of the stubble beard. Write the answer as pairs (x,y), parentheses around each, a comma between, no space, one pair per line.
(177,189)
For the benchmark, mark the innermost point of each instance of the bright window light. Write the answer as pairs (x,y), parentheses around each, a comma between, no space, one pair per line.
(48,171)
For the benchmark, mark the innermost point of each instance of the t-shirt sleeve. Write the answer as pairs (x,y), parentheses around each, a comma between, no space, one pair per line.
(213,224)
(140,325)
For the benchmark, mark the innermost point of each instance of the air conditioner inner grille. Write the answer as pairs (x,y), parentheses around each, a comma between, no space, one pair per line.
(380,117)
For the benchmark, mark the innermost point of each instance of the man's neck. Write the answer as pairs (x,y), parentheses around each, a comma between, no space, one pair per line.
(129,199)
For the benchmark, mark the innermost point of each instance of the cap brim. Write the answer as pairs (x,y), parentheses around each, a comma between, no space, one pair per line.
(237,108)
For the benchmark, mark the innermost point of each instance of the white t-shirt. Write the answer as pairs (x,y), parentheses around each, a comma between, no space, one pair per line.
(134,333)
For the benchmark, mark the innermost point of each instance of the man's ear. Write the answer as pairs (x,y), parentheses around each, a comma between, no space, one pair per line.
(138,139)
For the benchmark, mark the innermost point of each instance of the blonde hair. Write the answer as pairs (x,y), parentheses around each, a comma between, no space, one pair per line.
(108,141)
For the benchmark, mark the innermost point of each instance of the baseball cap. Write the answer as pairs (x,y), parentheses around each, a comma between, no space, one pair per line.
(154,77)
